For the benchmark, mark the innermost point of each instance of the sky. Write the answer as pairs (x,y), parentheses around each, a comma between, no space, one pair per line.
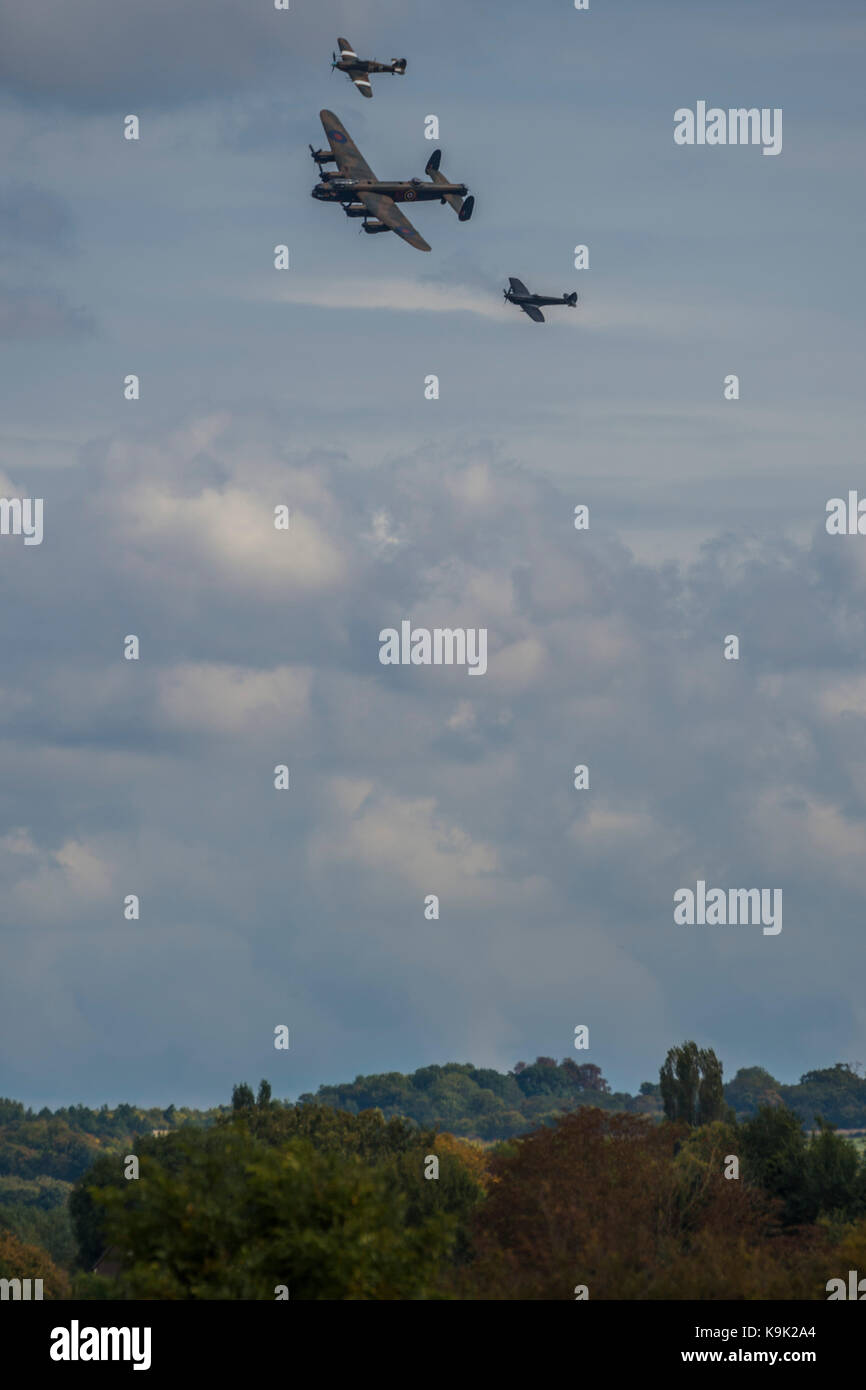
(258,647)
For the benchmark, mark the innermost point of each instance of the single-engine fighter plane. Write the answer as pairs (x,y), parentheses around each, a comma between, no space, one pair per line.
(361,194)
(358,68)
(529,303)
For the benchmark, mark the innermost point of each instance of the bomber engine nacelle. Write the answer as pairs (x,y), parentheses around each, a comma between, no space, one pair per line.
(376,227)
(323,156)
(355,210)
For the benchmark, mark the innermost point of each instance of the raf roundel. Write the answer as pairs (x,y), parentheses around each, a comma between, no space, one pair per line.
(337,135)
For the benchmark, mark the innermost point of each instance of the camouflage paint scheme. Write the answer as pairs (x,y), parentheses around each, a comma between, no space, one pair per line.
(358,68)
(356,187)
(518,294)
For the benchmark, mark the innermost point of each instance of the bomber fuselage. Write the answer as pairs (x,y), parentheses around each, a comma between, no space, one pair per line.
(334,189)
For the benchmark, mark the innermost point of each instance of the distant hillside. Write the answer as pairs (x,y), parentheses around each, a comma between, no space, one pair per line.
(480,1103)
(43,1153)
(837,1094)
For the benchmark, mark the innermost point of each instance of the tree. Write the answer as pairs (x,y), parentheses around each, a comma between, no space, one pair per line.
(242,1097)
(751,1088)
(263,1099)
(773,1150)
(691,1085)
(835,1177)
(632,1210)
(20,1261)
(231,1218)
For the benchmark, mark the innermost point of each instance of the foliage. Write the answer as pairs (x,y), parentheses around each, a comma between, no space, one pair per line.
(691,1085)
(35,1210)
(631,1210)
(235,1218)
(478,1102)
(819,1176)
(20,1261)
(751,1089)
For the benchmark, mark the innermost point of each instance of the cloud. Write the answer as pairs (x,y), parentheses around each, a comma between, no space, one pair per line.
(405,782)
(33,219)
(30,315)
(213,698)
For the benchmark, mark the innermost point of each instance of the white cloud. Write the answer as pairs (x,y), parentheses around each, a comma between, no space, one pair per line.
(207,697)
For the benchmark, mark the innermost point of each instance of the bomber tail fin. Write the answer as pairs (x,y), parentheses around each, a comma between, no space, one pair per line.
(458,204)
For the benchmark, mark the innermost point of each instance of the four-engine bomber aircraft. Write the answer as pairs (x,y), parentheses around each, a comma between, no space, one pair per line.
(361,194)
(358,68)
(519,294)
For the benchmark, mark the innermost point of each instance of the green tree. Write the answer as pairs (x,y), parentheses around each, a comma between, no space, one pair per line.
(835,1177)
(691,1085)
(242,1097)
(773,1149)
(230,1218)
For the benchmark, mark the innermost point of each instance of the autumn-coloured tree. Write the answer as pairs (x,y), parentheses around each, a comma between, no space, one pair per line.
(587,1077)
(609,1201)
(20,1261)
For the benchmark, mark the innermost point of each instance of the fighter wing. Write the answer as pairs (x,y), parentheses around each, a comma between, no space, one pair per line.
(347,52)
(362,82)
(350,162)
(517,286)
(535,314)
(386,210)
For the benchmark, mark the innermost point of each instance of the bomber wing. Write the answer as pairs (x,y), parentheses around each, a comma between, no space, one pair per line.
(535,314)
(517,286)
(387,211)
(350,161)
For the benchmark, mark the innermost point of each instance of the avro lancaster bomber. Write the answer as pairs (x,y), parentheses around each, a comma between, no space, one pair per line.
(359,68)
(361,194)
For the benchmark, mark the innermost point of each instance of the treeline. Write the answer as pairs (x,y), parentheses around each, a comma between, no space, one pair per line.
(313,1202)
(485,1104)
(65,1198)
(63,1143)
(43,1152)
(837,1094)
(471,1102)
(481,1103)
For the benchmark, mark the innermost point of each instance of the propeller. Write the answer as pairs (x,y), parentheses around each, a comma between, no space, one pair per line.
(333,60)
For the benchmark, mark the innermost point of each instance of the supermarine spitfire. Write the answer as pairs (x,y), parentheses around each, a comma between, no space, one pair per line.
(358,68)
(529,303)
(362,195)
